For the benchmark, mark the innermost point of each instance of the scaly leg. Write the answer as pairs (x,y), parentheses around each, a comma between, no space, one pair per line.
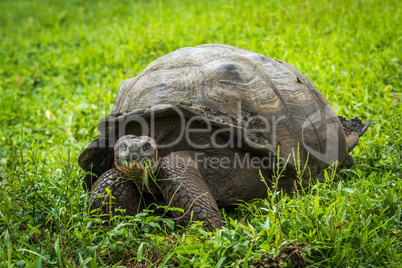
(125,193)
(183,186)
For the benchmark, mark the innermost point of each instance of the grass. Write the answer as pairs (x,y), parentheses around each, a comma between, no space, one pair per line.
(60,67)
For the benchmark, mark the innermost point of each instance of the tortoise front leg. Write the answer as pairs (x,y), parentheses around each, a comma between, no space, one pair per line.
(183,186)
(125,193)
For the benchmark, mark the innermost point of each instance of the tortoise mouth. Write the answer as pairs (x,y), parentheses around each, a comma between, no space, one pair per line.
(136,170)
(132,171)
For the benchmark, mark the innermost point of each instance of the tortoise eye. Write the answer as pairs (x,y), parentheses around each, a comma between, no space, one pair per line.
(123,147)
(146,146)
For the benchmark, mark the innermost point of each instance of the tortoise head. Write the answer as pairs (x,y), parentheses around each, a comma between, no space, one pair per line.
(134,156)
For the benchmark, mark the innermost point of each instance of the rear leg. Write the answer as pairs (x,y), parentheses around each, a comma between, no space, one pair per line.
(354,128)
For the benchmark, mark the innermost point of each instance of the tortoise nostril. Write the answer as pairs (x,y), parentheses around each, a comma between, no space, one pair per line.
(134,157)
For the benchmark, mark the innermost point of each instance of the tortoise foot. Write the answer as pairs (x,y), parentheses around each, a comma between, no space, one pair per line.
(123,194)
(183,186)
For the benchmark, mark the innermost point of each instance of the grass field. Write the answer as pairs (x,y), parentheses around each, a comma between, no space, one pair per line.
(60,67)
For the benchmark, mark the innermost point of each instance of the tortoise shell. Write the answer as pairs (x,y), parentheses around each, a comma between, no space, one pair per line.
(268,103)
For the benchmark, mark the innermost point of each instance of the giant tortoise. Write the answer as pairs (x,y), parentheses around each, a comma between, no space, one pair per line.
(198,128)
